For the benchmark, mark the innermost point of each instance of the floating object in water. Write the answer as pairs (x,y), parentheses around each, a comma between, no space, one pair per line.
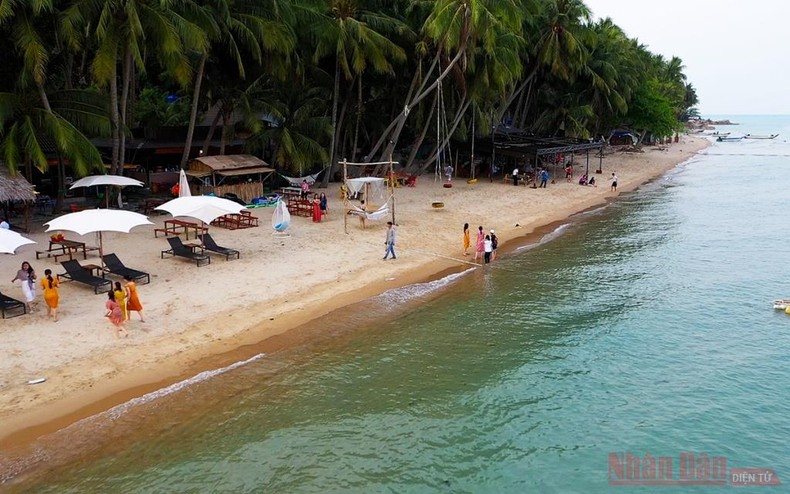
(787,311)
(782,304)
(757,136)
(437,204)
(37,381)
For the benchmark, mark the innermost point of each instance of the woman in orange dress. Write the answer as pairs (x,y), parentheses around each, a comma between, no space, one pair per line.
(50,286)
(132,300)
(467,240)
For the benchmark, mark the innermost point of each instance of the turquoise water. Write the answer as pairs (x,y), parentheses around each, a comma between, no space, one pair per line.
(644,327)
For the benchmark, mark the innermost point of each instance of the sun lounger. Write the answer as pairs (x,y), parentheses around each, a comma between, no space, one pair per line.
(210,245)
(178,249)
(11,307)
(115,266)
(75,272)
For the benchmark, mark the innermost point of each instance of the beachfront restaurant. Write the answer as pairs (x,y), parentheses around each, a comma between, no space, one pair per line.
(242,175)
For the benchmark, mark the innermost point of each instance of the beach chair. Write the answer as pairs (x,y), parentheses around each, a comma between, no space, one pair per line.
(178,249)
(210,245)
(11,307)
(75,272)
(113,265)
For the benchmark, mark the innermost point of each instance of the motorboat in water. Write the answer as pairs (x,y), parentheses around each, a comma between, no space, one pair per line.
(760,136)
(781,304)
(729,139)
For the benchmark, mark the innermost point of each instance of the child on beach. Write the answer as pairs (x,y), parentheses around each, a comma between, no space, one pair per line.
(50,286)
(614,182)
(115,315)
(494,244)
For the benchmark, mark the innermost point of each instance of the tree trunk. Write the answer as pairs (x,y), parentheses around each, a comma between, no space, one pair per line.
(227,113)
(115,118)
(359,119)
(513,94)
(457,120)
(335,96)
(416,147)
(403,116)
(127,79)
(527,100)
(193,113)
(211,131)
(69,69)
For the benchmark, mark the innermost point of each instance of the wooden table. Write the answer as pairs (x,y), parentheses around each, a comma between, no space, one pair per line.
(58,248)
(176,227)
(91,268)
(234,221)
(195,246)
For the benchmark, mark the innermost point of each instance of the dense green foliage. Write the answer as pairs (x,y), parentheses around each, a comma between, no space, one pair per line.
(314,81)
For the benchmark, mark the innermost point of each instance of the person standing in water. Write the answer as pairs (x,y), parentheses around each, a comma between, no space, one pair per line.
(479,243)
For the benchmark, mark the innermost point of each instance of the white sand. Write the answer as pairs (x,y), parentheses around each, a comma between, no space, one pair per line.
(192,312)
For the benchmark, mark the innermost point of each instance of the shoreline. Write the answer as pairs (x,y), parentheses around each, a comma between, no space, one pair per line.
(252,330)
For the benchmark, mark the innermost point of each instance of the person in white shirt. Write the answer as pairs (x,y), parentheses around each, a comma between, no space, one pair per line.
(515,176)
(487,249)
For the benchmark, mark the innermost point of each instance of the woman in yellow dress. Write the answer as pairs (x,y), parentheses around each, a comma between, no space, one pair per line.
(120,298)
(50,286)
(132,300)
(467,240)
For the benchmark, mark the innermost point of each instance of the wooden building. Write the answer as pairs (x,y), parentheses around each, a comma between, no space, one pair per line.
(240,174)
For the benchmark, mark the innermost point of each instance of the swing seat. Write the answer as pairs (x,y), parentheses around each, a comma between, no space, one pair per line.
(447,185)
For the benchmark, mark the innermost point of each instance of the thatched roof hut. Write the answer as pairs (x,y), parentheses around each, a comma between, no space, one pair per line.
(239,174)
(15,188)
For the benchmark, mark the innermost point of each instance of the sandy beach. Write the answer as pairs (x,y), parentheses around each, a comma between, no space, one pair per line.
(195,314)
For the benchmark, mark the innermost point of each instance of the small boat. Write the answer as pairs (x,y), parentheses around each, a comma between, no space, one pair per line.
(717,134)
(759,136)
(729,139)
(781,304)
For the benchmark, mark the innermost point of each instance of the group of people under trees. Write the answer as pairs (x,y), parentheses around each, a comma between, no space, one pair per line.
(121,299)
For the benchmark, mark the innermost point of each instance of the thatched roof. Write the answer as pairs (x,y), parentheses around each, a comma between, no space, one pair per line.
(229,165)
(15,188)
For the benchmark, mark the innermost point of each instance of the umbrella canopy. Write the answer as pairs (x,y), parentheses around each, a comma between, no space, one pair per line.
(10,241)
(203,208)
(98,221)
(183,185)
(116,180)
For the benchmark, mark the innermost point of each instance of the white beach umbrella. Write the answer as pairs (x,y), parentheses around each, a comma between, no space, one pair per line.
(98,221)
(10,241)
(107,180)
(183,185)
(117,180)
(203,208)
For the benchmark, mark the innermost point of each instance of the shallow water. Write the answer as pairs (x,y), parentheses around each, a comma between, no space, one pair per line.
(645,327)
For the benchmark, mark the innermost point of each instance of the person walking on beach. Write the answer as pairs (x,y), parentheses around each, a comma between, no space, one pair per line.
(132,300)
(569,172)
(120,297)
(544,178)
(322,203)
(28,278)
(50,286)
(515,176)
(494,244)
(488,248)
(467,240)
(614,182)
(390,242)
(448,172)
(479,243)
(115,314)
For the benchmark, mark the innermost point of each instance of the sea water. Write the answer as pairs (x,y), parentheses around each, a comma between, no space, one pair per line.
(642,328)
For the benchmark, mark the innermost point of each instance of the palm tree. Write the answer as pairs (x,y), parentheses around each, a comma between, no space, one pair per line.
(240,29)
(122,32)
(353,35)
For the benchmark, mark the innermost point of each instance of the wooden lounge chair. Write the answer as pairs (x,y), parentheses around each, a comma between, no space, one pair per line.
(11,307)
(210,245)
(75,272)
(178,249)
(115,266)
